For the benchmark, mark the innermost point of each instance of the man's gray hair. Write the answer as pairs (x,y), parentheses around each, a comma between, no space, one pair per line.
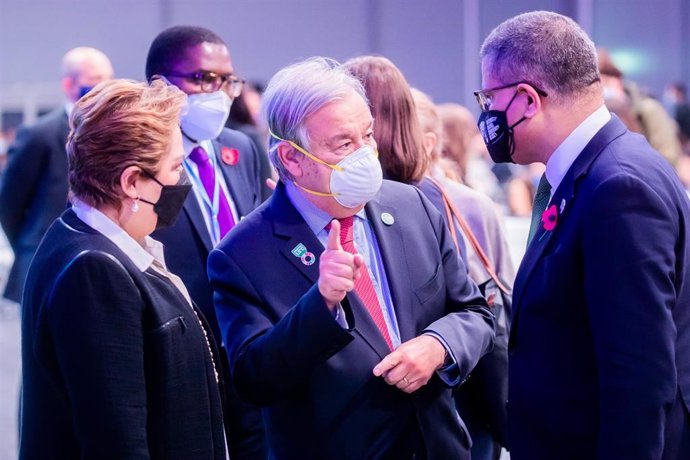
(295,93)
(546,49)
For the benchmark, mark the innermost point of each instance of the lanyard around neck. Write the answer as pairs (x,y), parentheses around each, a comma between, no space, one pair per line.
(212,203)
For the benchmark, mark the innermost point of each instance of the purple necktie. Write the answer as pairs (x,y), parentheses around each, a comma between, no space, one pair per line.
(208,179)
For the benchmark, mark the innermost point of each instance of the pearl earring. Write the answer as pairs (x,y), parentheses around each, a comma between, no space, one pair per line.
(135,204)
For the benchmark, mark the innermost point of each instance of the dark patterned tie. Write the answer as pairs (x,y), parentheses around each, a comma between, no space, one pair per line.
(207,174)
(541,200)
(363,285)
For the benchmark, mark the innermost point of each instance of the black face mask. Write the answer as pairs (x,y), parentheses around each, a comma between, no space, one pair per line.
(170,203)
(498,136)
(83,90)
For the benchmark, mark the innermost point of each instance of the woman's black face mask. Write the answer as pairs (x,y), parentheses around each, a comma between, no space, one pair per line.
(170,203)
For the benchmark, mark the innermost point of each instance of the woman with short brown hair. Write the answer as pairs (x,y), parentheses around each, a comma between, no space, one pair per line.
(117,361)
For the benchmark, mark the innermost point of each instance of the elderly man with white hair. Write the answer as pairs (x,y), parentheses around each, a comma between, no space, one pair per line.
(352,350)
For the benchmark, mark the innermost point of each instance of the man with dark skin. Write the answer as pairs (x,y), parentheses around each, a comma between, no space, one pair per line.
(227,174)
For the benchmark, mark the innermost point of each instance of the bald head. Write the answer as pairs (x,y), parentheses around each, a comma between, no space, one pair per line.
(84,67)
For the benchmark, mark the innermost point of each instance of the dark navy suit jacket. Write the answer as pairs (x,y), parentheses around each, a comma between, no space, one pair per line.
(33,191)
(313,377)
(115,364)
(600,340)
(187,245)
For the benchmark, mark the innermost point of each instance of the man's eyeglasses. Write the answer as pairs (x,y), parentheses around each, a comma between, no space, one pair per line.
(211,81)
(485,97)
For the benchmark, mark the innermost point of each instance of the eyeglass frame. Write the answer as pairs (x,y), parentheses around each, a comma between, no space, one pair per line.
(485,103)
(221,80)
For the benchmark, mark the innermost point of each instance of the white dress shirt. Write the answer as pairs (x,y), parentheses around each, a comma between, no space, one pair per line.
(150,255)
(565,154)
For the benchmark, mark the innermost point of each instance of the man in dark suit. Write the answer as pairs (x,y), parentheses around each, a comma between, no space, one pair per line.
(600,339)
(33,190)
(309,332)
(227,173)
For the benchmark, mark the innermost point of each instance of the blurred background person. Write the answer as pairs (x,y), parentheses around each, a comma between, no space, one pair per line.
(33,190)
(405,156)
(245,114)
(640,112)
(464,149)
(5,139)
(117,360)
(477,209)
(675,100)
(245,117)
(398,136)
(519,195)
(481,400)
(227,173)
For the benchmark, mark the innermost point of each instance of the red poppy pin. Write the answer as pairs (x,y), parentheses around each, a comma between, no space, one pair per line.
(549,218)
(229,156)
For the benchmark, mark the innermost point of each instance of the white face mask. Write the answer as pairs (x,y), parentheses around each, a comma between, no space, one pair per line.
(205,115)
(355,180)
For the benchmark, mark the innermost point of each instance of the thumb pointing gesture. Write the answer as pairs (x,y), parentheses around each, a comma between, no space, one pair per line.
(334,236)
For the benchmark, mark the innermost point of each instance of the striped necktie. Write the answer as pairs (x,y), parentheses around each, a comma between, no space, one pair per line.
(364,288)
(541,200)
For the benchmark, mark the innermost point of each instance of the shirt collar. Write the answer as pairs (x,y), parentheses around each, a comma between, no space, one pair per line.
(142,257)
(189,145)
(316,218)
(565,155)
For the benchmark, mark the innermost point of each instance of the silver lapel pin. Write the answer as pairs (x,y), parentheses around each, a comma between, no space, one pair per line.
(387,219)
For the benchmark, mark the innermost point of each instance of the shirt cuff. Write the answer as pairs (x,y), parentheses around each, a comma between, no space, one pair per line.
(449,373)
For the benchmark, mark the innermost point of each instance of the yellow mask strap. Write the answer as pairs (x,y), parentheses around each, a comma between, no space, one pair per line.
(313,192)
(318,160)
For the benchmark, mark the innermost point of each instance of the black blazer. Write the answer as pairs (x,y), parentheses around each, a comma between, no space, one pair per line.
(33,192)
(115,363)
(187,245)
(314,378)
(600,339)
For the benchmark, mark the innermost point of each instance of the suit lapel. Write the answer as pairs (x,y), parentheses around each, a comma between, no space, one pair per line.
(300,246)
(562,199)
(63,130)
(390,242)
(196,217)
(61,153)
(233,180)
(291,227)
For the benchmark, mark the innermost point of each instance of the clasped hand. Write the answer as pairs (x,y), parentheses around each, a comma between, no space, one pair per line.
(412,364)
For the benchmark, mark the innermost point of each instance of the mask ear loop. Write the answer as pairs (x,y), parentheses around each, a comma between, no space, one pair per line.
(314,192)
(511,136)
(301,150)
